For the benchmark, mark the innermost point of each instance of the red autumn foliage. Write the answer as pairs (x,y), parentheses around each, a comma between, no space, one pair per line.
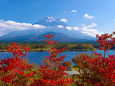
(51,71)
(12,70)
(67,63)
(96,69)
(106,41)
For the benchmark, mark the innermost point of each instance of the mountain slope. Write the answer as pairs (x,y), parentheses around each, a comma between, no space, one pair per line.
(57,36)
(39,38)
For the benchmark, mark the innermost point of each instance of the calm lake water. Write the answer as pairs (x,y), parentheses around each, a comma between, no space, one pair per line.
(35,57)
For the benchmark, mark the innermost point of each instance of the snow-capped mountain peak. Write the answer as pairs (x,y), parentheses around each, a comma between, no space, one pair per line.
(50,22)
(51,19)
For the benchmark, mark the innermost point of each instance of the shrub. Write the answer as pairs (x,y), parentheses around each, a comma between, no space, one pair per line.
(52,71)
(95,69)
(15,70)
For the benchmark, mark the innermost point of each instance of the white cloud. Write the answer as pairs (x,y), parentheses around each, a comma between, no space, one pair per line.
(37,26)
(64,20)
(76,28)
(88,16)
(89,30)
(72,28)
(69,28)
(74,11)
(9,26)
(92,25)
(60,26)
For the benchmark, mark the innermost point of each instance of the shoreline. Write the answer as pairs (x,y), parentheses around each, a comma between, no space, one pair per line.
(36,50)
(41,50)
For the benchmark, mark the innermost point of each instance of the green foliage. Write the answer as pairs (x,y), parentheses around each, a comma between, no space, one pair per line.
(44,47)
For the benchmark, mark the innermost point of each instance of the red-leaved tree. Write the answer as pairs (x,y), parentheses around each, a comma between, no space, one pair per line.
(95,69)
(51,71)
(13,70)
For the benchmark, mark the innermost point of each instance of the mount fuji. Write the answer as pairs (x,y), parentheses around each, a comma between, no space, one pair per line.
(51,27)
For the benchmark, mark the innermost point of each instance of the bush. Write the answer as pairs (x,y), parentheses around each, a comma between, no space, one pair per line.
(96,69)
(52,71)
(15,70)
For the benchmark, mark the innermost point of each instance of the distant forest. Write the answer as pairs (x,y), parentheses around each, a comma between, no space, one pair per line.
(44,47)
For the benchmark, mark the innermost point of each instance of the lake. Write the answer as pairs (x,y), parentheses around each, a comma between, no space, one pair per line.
(35,57)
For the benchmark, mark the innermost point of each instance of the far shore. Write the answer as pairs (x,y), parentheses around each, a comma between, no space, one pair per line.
(42,50)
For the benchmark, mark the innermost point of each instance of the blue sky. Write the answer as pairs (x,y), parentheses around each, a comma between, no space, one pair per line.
(91,14)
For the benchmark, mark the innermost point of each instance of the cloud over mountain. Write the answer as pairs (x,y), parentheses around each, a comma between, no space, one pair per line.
(87,16)
(64,20)
(72,28)
(60,26)
(9,26)
(89,30)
